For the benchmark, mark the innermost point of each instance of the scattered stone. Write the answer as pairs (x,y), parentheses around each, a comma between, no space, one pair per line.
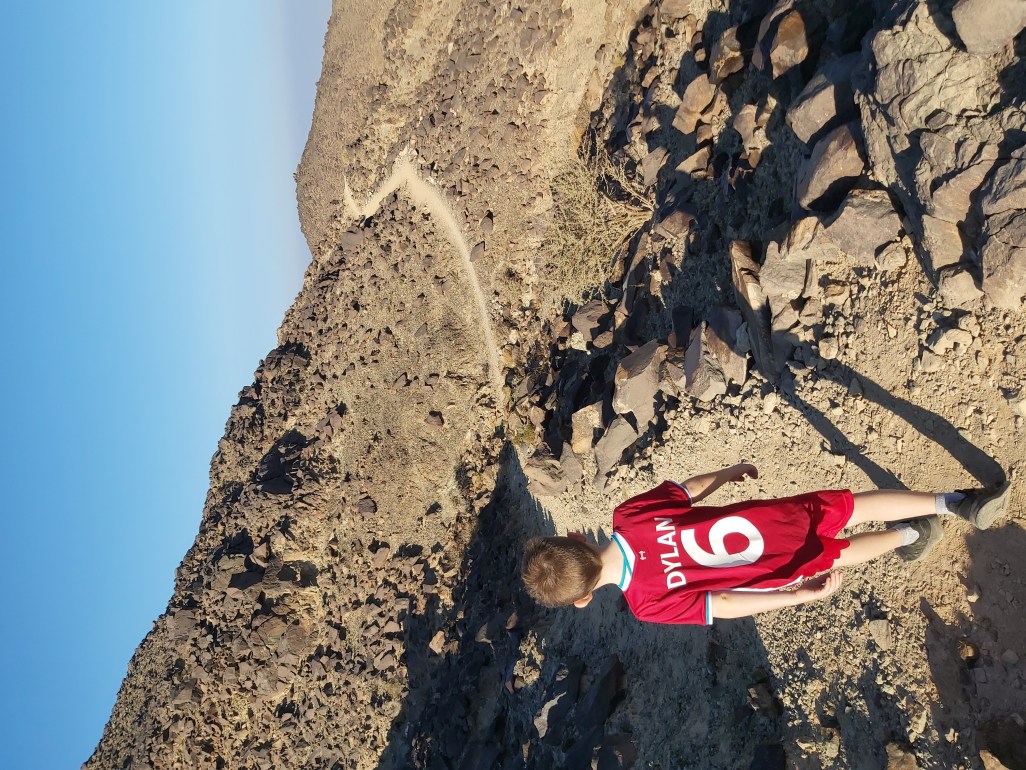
(636,382)
(942,241)
(614,442)
(724,325)
(957,287)
(584,424)
(987,26)
(725,58)
(831,171)
(781,42)
(437,643)
(863,226)
(697,96)
(573,471)
(591,318)
(781,277)
(366,506)
(754,307)
(652,164)
(880,630)
(827,99)
(943,340)
(674,9)
(676,223)
(703,377)
(900,758)
(545,474)
(828,348)
(696,163)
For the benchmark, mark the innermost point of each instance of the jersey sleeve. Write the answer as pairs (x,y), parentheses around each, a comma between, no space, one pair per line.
(679,608)
(668,497)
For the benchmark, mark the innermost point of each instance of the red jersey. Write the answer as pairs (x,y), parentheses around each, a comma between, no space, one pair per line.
(675,555)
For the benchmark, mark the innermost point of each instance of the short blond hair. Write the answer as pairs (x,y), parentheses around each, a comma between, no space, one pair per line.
(559,570)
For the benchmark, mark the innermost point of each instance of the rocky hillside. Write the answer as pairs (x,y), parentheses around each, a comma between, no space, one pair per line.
(815,267)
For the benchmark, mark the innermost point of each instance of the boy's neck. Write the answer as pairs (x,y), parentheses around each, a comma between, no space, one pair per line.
(612,565)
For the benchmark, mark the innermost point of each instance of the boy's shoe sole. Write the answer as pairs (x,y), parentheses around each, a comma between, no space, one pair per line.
(930,532)
(982,507)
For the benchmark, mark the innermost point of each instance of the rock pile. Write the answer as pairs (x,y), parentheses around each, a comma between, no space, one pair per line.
(806,105)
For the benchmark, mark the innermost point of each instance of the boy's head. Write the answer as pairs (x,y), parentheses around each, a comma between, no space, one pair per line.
(560,570)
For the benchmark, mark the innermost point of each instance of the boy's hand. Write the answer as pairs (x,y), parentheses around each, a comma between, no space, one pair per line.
(739,471)
(827,584)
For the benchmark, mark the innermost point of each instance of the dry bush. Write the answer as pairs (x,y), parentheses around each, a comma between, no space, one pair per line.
(597,210)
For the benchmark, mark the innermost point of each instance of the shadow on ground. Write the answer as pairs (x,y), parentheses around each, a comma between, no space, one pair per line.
(977,660)
(515,685)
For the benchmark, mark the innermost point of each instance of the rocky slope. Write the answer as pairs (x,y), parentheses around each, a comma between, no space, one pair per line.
(829,283)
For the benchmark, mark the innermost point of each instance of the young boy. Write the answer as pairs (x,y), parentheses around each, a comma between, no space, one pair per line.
(678,562)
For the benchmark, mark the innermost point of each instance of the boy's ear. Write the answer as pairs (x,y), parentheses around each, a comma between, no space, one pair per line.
(583,601)
(578,536)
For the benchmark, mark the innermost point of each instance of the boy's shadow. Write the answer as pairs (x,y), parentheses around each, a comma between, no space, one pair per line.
(984,468)
(516,685)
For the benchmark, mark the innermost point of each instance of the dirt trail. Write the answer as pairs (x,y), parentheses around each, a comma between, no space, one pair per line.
(421,192)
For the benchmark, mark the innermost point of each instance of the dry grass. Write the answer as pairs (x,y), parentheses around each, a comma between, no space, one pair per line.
(597,210)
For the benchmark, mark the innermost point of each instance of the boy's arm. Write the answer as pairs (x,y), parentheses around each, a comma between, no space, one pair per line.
(700,487)
(741,604)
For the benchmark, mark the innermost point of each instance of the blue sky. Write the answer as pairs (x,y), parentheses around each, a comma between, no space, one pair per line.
(151,247)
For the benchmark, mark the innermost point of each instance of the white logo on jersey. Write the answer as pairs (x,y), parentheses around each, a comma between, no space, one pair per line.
(718,557)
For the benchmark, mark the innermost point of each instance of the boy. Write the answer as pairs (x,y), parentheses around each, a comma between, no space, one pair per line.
(681,563)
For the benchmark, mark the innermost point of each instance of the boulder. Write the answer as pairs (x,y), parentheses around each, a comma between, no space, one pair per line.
(704,378)
(782,277)
(754,306)
(674,9)
(651,164)
(951,195)
(722,340)
(781,43)
(698,94)
(591,319)
(987,26)
(545,474)
(942,241)
(725,58)
(676,223)
(827,100)
(900,758)
(636,382)
(584,423)
(573,471)
(745,124)
(863,226)
(1003,256)
(1003,240)
(831,171)
(957,287)
(614,442)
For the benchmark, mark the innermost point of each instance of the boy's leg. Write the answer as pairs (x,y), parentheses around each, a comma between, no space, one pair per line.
(980,507)
(868,546)
(891,505)
(912,540)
